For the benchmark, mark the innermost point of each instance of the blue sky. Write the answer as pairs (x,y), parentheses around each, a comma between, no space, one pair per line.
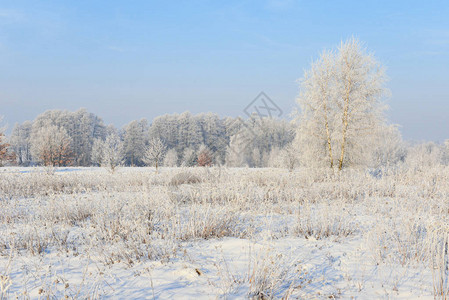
(126,60)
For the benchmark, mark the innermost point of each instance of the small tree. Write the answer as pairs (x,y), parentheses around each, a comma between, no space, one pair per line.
(289,156)
(97,152)
(275,158)
(5,153)
(204,157)
(389,149)
(189,158)
(111,152)
(155,153)
(236,151)
(256,158)
(424,156)
(6,150)
(446,152)
(20,141)
(171,158)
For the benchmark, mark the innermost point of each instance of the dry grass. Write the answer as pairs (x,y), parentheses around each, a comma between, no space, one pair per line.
(135,214)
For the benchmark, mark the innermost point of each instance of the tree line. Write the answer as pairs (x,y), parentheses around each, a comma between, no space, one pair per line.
(340,123)
(80,138)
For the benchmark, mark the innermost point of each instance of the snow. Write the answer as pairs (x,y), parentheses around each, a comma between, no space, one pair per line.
(220,267)
(262,253)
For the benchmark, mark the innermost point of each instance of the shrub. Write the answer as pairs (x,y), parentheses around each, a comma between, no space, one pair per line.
(184,178)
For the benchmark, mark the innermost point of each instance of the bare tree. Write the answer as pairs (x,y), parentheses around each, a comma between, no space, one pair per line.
(155,152)
(6,155)
(51,145)
(204,157)
(5,151)
(341,108)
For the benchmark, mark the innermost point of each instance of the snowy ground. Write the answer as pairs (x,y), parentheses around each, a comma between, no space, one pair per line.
(230,233)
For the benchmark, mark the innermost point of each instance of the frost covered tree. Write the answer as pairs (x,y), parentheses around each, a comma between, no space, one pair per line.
(171,158)
(252,144)
(185,133)
(81,126)
(275,158)
(445,156)
(256,158)
(289,157)
(165,128)
(135,139)
(214,135)
(21,142)
(424,156)
(97,152)
(51,146)
(109,153)
(189,158)
(194,135)
(341,109)
(236,153)
(154,152)
(389,149)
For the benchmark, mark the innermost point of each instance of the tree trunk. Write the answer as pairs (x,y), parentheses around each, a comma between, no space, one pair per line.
(329,145)
(345,119)
(324,87)
(343,141)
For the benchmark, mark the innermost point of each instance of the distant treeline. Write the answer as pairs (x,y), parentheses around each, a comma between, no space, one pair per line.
(61,137)
(80,138)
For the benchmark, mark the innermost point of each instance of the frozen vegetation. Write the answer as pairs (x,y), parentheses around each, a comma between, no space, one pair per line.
(230,232)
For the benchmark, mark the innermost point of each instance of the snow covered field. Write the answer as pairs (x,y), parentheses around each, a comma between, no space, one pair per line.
(203,233)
